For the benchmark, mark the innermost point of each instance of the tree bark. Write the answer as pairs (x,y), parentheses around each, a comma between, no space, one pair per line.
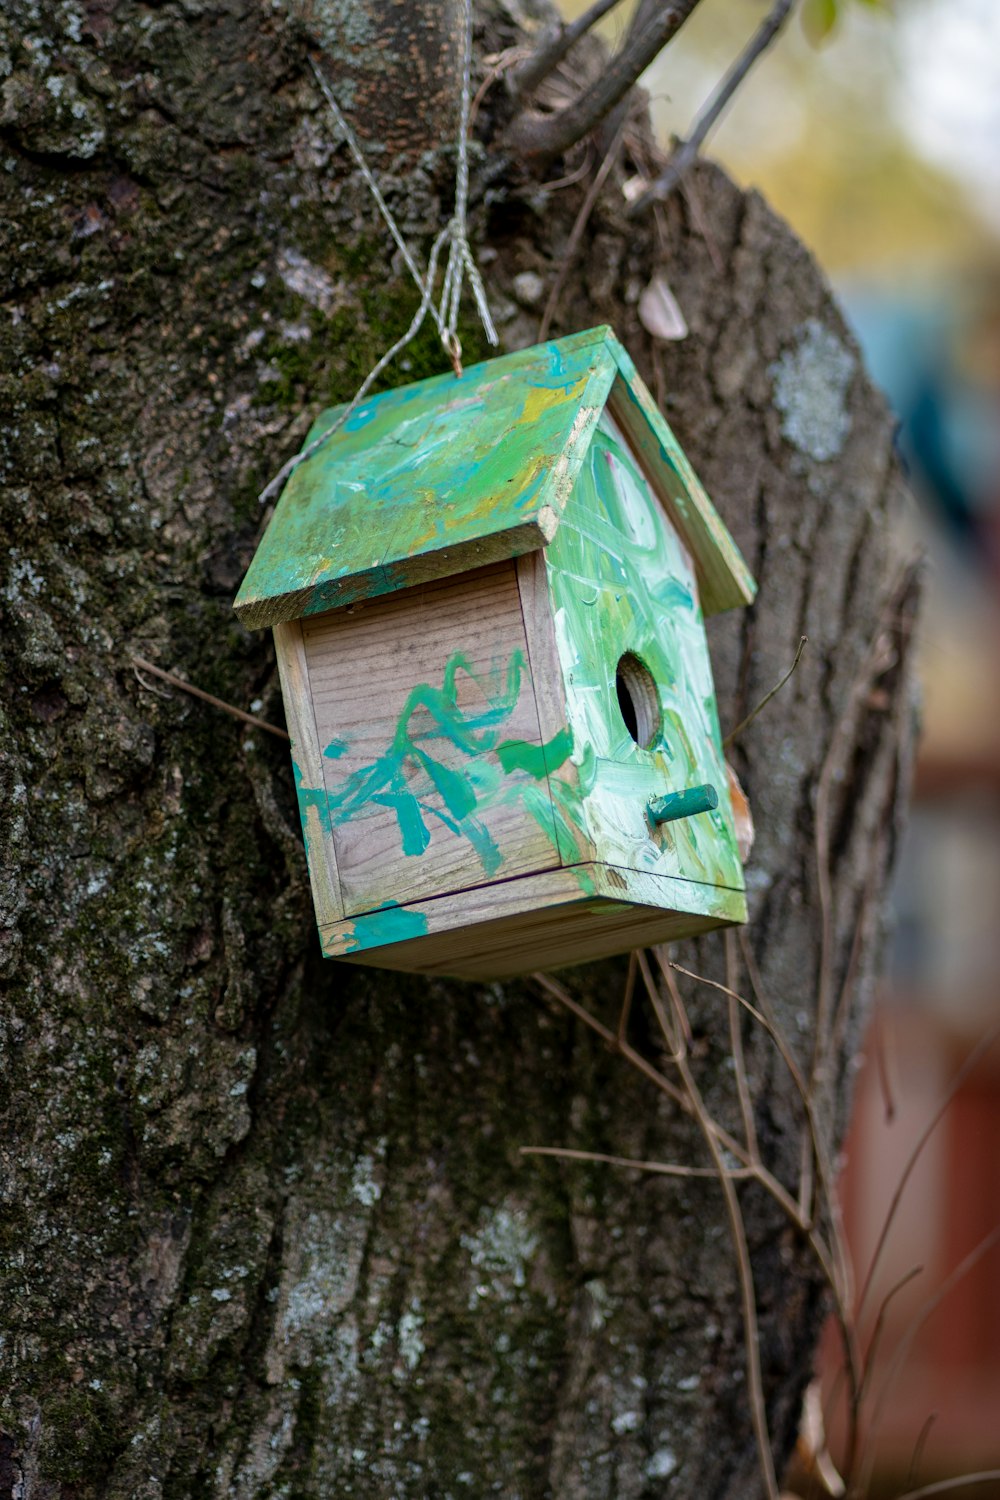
(266,1229)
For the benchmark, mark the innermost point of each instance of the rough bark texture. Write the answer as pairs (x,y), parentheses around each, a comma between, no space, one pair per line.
(264,1226)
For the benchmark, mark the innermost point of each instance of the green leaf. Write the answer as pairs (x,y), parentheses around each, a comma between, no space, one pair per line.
(819,17)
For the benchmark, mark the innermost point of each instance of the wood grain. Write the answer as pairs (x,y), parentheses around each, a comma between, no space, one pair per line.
(550,692)
(548,920)
(414,695)
(307,762)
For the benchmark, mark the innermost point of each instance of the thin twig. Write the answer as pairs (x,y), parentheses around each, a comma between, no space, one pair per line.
(688,149)
(727,1142)
(878,1330)
(918,1448)
(662,1169)
(836,1278)
(881,655)
(554,47)
(633,969)
(576,234)
(884,1080)
(943,1486)
(832,1261)
(556,992)
(577,175)
(701,224)
(755,1391)
(541,138)
(736,1045)
(678,1036)
(842,1009)
(635,1059)
(842,1281)
(902,1349)
(227,708)
(502,63)
(745,723)
(968,1067)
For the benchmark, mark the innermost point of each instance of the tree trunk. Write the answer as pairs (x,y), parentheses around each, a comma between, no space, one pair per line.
(266,1229)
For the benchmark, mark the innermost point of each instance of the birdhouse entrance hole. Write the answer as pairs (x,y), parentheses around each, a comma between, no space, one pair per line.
(638,700)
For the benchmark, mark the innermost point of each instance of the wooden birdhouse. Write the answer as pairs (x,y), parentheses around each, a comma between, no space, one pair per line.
(487,595)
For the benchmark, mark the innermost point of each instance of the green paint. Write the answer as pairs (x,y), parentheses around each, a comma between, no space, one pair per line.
(412,779)
(725,581)
(420,480)
(621,582)
(391,923)
(536,760)
(311,799)
(448,473)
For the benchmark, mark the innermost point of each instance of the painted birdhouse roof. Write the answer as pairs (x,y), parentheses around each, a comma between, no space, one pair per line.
(454,472)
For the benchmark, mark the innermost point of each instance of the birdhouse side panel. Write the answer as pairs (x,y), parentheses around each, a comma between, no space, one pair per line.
(307,768)
(639,690)
(434,768)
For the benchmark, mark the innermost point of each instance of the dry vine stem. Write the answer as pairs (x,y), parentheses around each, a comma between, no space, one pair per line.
(818,1222)
(675,1027)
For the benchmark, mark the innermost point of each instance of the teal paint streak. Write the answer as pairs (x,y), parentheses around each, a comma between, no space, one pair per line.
(311,799)
(390,924)
(411,772)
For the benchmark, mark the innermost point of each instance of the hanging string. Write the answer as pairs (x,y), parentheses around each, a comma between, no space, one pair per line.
(460,263)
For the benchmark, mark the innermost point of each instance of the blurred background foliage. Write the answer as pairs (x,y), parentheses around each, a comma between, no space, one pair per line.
(873,126)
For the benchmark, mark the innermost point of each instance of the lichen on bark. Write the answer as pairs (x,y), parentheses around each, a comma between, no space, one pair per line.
(265,1229)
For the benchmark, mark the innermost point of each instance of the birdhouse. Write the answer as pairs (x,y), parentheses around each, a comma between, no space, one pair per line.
(487,594)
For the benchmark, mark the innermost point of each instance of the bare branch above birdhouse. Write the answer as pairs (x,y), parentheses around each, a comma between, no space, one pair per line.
(539,138)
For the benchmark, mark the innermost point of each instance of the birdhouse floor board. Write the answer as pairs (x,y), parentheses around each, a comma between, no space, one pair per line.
(558,938)
(560,916)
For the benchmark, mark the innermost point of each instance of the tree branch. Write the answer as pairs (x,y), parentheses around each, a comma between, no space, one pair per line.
(541,138)
(687,150)
(553,48)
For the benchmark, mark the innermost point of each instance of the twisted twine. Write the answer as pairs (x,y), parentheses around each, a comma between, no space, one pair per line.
(460,263)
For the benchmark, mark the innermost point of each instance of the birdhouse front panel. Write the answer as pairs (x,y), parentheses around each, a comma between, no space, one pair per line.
(485,598)
(425,713)
(634,656)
